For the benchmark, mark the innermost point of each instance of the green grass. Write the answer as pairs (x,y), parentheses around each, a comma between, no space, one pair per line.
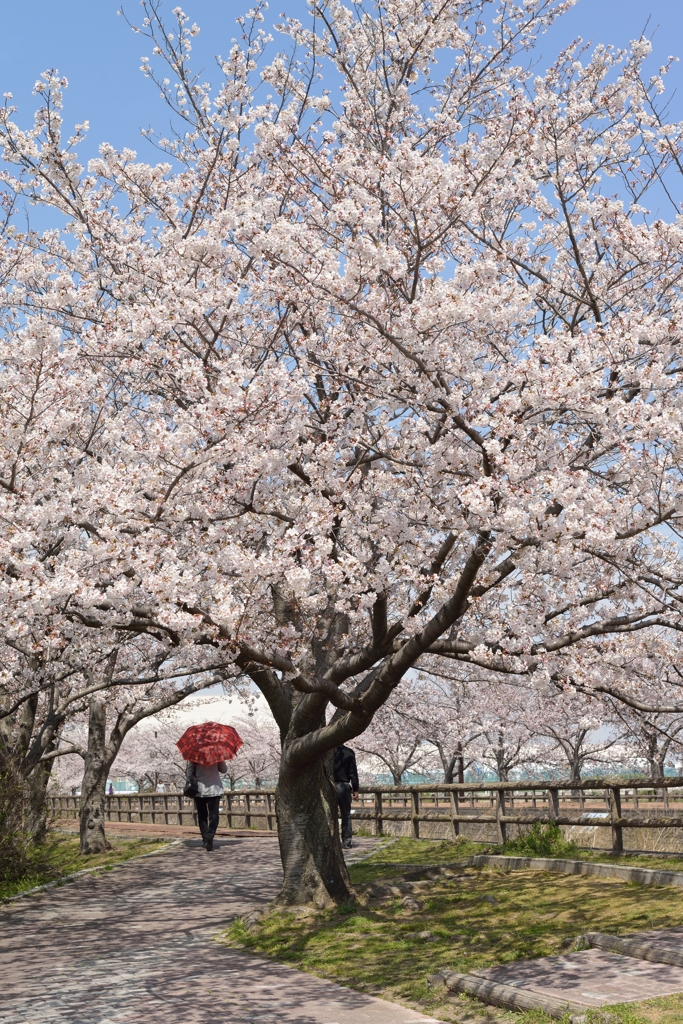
(542,841)
(481,918)
(60,857)
(429,851)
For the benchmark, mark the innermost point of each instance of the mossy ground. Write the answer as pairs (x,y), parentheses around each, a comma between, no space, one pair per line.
(59,856)
(476,919)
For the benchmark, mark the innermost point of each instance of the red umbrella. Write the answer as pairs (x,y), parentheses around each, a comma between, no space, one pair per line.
(209,743)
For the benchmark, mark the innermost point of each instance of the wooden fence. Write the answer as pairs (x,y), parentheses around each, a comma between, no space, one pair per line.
(609,803)
(616,804)
(241,808)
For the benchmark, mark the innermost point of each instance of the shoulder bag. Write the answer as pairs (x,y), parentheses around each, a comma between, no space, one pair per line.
(192,785)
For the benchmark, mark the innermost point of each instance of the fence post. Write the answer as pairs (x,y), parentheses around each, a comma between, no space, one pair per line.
(455,809)
(379,824)
(553,802)
(615,813)
(415,798)
(500,811)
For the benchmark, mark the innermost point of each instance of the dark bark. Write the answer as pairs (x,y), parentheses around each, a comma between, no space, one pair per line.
(461,764)
(95,772)
(21,747)
(451,762)
(308,832)
(36,786)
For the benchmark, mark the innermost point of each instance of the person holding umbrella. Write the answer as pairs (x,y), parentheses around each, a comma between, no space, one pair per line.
(206,748)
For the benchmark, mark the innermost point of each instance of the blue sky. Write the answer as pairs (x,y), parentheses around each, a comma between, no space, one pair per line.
(100,56)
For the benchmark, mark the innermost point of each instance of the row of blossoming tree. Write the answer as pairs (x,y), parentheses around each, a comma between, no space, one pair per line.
(376,371)
(452,730)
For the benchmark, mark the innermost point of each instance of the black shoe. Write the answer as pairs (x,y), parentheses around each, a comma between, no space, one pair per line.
(209,843)
(203,841)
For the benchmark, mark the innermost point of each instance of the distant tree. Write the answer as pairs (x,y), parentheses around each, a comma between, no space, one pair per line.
(394,740)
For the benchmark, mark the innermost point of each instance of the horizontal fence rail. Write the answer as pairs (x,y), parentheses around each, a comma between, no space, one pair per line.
(242,808)
(609,803)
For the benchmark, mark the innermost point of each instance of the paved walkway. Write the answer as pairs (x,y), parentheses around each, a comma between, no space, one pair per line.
(135,945)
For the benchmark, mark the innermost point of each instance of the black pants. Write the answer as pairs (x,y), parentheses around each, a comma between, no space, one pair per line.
(207,815)
(344,798)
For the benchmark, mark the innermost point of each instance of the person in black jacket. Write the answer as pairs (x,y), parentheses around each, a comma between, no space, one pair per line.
(346,783)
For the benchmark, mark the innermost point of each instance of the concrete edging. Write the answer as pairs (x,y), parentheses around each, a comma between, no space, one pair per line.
(632,947)
(645,876)
(86,871)
(505,996)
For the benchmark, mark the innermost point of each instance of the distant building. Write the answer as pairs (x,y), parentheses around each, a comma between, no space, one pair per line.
(122,784)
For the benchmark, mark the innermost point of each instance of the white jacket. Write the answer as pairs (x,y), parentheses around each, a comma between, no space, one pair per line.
(208,777)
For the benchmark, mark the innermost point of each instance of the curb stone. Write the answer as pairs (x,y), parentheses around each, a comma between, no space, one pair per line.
(505,996)
(645,876)
(632,947)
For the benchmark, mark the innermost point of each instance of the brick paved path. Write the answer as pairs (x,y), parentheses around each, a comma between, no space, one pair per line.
(592,978)
(135,945)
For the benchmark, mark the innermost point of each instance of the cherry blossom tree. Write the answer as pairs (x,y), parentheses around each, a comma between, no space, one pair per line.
(260,752)
(150,757)
(111,716)
(508,740)
(652,740)
(50,686)
(449,708)
(570,722)
(47,687)
(66,772)
(394,740)
(349,383)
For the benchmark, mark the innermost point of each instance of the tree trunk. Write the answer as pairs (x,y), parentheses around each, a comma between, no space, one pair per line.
(36,787)
(308,832)
(461,764)
(96,770)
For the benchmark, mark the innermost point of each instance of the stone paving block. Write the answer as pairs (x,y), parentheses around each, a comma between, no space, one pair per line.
(672,938)
(591,978)
(135,944)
